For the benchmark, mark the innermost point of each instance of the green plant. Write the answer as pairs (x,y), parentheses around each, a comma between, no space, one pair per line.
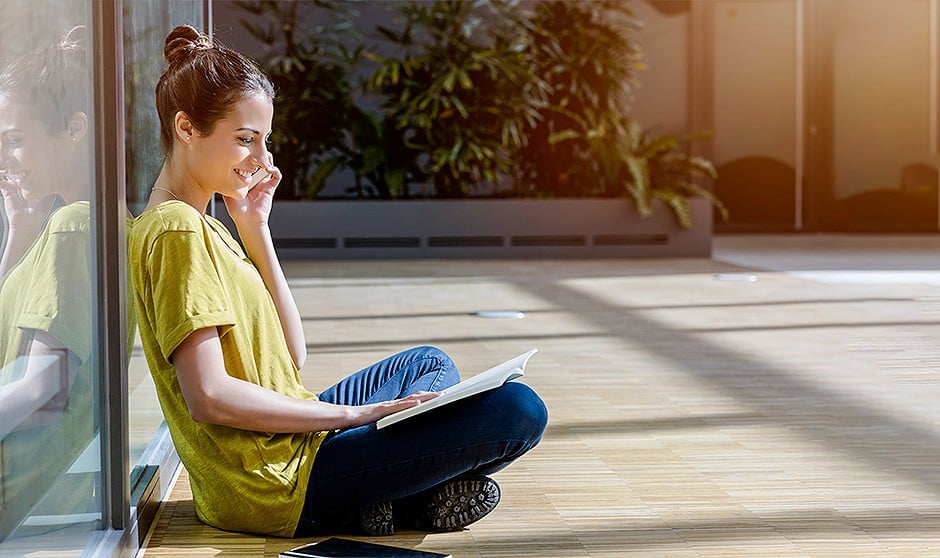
(309,66)
(653,166)
(584,142)
(586,53)
(382,162)
(459,89)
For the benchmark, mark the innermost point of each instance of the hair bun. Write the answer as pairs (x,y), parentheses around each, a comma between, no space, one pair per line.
(183,41)
(75,36)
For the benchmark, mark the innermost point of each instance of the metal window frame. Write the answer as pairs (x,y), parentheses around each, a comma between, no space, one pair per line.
(108,213)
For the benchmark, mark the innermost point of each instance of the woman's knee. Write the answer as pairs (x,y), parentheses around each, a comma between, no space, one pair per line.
(431,352)
(523,410)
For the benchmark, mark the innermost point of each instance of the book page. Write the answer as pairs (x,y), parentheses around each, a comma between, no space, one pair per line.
(489,379)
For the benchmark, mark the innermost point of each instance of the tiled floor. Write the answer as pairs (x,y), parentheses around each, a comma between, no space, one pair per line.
(780,399)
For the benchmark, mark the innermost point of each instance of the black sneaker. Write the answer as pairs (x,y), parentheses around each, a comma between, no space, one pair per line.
(460,502)
(377,520)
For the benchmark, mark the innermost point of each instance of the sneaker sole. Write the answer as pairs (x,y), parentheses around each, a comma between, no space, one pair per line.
(377,520)
(461,502)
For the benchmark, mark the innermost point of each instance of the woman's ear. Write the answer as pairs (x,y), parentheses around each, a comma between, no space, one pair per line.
(183,126)
(78,127)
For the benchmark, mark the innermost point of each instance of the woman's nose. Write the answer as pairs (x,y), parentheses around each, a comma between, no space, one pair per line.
(262,157)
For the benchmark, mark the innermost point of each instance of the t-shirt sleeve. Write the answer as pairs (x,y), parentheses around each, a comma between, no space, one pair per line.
(58,300)
(187,289)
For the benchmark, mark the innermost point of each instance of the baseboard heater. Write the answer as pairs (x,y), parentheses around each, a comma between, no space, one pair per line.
(485,241)
(465,241)
(631,239)
(382,242)
(549,240)
(306,242)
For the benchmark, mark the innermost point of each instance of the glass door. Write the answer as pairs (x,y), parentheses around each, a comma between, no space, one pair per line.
(873,116)
(51,482)
(756,112)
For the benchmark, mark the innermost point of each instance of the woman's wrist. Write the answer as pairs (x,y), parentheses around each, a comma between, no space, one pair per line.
(252,234)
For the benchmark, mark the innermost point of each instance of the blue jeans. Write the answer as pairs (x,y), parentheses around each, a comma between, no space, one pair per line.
(362,466)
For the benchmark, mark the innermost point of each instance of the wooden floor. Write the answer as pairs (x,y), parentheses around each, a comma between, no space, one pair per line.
(741,406)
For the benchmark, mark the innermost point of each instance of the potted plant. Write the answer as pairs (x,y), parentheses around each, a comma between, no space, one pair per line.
(487,98)
(458,87)
(309,65)
(585,144)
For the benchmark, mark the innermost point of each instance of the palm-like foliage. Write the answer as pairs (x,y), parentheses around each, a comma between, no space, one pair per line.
(309,66)
(585,143)
(476,92)
(459,88)
(586,53)
(657,168)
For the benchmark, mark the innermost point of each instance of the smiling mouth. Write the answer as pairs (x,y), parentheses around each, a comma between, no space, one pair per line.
(247,174)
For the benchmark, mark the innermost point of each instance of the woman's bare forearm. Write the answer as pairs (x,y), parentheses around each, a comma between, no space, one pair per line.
(260,248)
(49,370)
(212,396)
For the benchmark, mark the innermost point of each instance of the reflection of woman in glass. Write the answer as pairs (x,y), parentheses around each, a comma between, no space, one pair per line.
(46,394)
(224,341)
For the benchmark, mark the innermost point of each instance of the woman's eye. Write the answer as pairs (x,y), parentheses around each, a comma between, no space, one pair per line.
(247,140)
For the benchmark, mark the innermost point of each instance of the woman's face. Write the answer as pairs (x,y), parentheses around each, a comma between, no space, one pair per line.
(225,160)
(30,156)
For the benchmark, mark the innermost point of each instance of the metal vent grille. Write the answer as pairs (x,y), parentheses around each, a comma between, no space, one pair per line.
(631,239)
(306,243)
(549,240)
(383,242)
(464,241)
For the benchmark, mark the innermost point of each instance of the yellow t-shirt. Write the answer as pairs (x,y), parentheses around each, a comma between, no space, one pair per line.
(189,273)
(48,290)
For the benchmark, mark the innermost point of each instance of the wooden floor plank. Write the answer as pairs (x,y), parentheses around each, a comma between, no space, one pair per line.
(790,416)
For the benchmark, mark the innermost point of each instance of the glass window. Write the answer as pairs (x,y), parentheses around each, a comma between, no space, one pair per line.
(755,113)
(50,461)
(146,25)
(884,176)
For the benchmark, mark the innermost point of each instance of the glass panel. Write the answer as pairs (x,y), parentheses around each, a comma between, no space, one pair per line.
(755,118)
(885,177)
(146,25)
(50,462)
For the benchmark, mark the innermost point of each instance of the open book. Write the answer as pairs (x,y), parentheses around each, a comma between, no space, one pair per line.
(492,378)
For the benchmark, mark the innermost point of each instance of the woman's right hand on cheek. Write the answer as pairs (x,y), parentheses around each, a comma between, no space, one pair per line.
(254,209)
(22,213)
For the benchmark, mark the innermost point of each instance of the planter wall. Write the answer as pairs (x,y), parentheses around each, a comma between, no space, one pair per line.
(565,228)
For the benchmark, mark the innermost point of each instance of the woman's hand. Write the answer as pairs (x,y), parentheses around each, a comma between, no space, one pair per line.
(253,210)
(22,214)
(367,414)
(25,220)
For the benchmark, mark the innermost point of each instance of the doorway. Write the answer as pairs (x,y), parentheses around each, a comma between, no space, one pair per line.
(825,114)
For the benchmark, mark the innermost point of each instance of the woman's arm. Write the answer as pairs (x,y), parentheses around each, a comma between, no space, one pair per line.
(251,219)
(212,396)
(260,248)
(39,396)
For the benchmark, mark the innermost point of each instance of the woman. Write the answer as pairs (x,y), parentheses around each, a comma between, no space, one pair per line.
(47,368)
(224,343)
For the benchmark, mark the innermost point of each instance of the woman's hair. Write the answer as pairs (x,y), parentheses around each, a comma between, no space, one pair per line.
(204,81)
(52,82)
